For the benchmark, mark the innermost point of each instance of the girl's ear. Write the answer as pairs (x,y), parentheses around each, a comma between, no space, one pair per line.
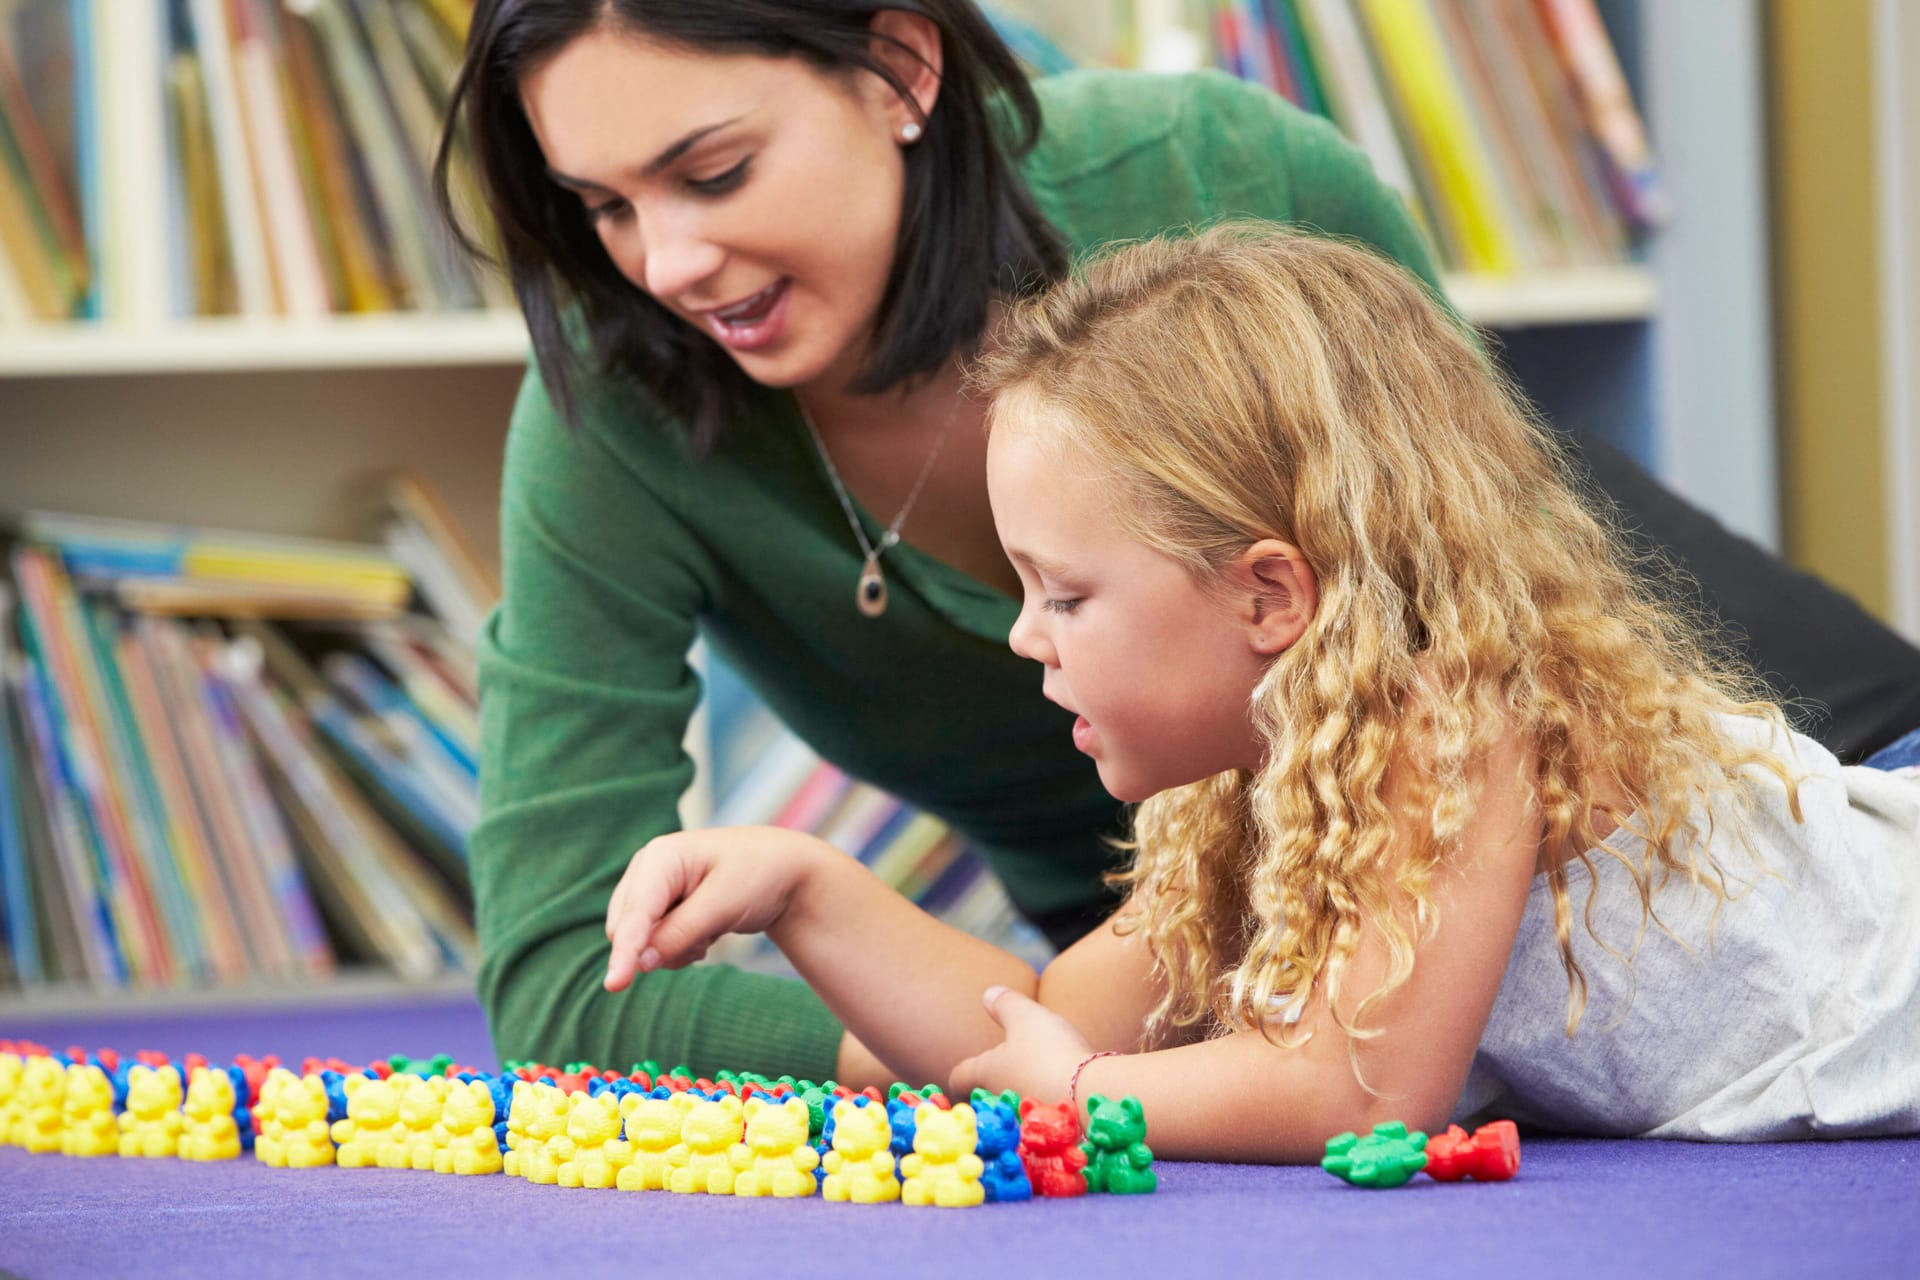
(909,46)
(1277,594)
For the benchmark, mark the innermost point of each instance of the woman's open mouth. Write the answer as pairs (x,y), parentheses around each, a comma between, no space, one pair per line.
(752,323)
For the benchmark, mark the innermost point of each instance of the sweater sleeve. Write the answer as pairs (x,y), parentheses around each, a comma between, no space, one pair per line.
(586,693)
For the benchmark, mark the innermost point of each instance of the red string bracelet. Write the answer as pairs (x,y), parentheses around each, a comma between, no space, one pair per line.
(1073,1081)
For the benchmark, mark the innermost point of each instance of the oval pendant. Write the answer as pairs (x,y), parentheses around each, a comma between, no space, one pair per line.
(871,594)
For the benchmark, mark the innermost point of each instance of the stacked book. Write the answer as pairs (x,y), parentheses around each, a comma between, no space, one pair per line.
(228,758)
(1506,124)
(175,158)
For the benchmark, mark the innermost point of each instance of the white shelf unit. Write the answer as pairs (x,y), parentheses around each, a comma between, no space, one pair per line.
(1587,296)
(394,340)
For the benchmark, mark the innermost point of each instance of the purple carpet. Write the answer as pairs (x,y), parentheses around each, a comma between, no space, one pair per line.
(1577,1208)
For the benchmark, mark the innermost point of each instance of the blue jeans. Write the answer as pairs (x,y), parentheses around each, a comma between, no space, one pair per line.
(1897,754)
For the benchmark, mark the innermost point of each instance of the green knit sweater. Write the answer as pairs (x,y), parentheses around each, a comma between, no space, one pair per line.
(619,547)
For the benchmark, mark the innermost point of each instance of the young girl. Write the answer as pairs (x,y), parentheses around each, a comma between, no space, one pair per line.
(1442,813)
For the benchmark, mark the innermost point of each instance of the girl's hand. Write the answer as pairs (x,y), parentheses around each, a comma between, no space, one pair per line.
(682,892)
(1035,1060)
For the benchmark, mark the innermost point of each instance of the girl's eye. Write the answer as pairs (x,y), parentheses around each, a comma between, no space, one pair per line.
(720,184)
(1061,606)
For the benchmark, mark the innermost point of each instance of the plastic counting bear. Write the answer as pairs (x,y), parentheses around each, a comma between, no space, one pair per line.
(738,1134)
(1390,1155)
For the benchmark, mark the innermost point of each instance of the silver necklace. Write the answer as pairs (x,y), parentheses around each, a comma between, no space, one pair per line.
(870,595)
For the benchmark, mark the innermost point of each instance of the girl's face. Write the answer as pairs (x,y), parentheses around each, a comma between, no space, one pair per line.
(1160,672)
(757,199)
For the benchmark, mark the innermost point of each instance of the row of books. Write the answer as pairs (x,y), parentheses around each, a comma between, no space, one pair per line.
(776,779)
(229,758)
(174,158)
(1506,124)
(232,757)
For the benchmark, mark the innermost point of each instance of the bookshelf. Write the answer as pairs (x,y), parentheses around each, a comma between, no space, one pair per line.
(284,426)
(233,345)
(404,341)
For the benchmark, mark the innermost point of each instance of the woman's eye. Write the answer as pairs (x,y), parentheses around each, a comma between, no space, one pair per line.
(597,213)
(721,183)
(1061,606)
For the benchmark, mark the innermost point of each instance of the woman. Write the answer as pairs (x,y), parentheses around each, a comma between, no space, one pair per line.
(753,240)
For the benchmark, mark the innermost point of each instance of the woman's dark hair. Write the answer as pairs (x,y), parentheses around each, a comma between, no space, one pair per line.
(968,225)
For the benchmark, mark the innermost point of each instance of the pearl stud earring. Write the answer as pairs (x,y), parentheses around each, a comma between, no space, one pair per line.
(910,132)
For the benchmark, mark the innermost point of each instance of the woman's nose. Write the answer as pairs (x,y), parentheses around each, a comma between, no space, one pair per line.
(676,260)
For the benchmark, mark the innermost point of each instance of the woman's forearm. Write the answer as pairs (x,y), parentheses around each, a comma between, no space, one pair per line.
(906,985)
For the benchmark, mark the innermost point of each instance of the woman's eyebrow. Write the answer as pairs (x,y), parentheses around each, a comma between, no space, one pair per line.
(655,165)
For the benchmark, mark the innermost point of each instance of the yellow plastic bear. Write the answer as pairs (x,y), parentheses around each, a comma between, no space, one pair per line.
(267,1147)
(291,1118)
(150,1126)
(43,1095)
(600,1153)
(409,1145)
(780,1163)
(943,1169)
(519,1113)
(546,1144)
(703,1162)
(860,1165)
(653,1132)
(463,1142)
(208,1131)
(87,1121)
(12,1105)
(373,1109)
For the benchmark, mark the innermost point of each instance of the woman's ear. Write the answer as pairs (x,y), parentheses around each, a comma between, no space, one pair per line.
(1277,594)
(908,45)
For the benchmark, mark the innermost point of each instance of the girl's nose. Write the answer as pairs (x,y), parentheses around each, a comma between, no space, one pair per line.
(1028,638)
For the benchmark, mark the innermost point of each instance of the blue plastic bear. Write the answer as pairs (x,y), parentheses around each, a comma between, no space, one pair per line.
(998,1123)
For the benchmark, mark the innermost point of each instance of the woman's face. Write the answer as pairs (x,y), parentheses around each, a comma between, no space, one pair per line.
(758,199)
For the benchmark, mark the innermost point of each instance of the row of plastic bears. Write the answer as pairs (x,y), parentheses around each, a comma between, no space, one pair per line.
(1391,1155)
(848,1147)
(83,1104)
(737,1133)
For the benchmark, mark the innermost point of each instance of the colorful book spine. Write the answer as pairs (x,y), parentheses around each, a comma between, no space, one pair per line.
(185,827)
(393,923)
(23,942)
(83,870)
(1595,71)
(265,935)
(73,708)
(290,233)
(130,42)
(267,835)
(1408,40)
(129,755)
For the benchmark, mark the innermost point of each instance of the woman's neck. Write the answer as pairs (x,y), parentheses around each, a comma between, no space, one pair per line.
(843,414)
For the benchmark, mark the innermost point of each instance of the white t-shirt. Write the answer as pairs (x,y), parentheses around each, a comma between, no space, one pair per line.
(1799,1017)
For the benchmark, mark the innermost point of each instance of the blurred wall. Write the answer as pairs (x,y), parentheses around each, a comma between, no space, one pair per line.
(1827,300)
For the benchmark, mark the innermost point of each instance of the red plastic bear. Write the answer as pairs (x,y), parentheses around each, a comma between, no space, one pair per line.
(1050,1149)
(1492,1154)
(254,1071)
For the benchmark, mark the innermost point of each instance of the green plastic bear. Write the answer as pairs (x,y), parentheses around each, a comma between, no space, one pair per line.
(1387,1157)
(1118,1158)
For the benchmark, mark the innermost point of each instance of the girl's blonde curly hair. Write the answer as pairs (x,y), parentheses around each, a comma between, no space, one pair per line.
(1249,382)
